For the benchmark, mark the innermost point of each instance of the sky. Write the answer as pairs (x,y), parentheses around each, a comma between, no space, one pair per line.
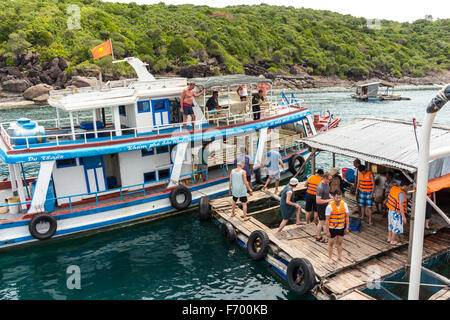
(398,10)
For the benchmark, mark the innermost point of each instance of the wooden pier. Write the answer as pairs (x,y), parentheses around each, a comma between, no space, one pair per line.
(365,251)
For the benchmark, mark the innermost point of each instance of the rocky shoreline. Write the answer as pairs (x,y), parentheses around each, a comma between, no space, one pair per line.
(30,81)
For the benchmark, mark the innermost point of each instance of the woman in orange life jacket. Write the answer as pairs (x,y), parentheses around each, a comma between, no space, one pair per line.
(396,204)
(364,192)
(337,224)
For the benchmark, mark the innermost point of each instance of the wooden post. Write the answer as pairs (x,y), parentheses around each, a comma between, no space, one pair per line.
(313,161)
(334,160)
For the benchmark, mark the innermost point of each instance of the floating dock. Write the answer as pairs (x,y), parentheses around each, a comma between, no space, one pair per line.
(367,253)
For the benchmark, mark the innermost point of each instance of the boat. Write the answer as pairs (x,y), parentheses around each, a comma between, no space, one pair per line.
(117,154)
(369,92)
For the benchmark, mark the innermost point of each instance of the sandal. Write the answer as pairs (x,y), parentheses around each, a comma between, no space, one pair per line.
(321,239)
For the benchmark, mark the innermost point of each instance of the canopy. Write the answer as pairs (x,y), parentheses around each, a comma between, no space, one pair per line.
(439,183)
(229,80)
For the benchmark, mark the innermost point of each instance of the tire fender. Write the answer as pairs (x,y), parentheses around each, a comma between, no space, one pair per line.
(300,275)
(228,231)
(292,162)
(180,190)
(204,211)
(258,245)
(42,217)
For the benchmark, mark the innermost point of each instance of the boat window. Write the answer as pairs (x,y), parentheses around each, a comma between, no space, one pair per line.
(163,174)
(162,149)
(159,105)
(143,106)
(123,111)
(66,163)
(145,152)
(149,176)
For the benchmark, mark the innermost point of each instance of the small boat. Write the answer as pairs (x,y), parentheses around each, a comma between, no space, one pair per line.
(369,92)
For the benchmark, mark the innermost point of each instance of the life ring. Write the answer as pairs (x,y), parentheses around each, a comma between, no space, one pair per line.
(180,197)
(300,275)
(228,231)
(258,245)
(204,211)
(259,178)
(293,166)
(39,218)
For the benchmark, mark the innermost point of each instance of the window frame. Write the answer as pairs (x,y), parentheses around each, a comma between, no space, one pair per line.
(154,176)
(142,103)
(75,163)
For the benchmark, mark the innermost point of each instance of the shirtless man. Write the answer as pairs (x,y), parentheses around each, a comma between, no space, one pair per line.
(187,103)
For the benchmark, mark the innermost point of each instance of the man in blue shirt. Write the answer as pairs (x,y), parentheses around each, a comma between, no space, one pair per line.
(274,162)
(247,160)
(213,103)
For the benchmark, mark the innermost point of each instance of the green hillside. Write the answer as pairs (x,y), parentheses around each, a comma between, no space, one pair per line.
(170,37)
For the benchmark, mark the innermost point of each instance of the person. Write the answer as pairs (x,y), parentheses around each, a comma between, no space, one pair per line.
(213,102)
(364,192)
(238,189)
(323,197)
(288,205)
(356,164)
(242,92)
(247,160)
(396,204)
(203,155)
(187,103)
(379,192)
(337,222)
(311,190)
(274,169)
(389,183)
(429,209)
(257,100)
(337,183)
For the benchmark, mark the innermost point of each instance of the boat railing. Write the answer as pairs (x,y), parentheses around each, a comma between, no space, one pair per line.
(112,134)
(123,191)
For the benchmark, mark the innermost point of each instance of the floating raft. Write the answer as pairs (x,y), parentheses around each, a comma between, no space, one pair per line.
(362,250)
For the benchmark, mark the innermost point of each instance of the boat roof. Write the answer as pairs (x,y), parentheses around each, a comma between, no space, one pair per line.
(379,83)
(228,80)
(382,141)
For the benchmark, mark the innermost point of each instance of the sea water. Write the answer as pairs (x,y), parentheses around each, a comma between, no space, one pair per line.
(178,257)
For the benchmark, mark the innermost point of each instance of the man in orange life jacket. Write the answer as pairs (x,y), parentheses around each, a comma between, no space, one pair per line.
(364,192)
(396,203)
(337,223)
(310,198)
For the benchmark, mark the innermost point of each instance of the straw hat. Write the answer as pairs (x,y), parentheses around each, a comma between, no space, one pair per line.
(333,171)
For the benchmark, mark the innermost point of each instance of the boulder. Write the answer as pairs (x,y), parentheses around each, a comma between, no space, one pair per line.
(42,99)
(16,85)
(54,72)
(79,82)
(61,80)
(36,91)
(45,78)
(62,64)
(200,70)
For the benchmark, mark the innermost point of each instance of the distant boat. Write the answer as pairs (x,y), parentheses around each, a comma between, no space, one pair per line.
(369,92)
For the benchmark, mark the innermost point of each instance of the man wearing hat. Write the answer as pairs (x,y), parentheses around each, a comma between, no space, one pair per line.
(336,183)
(288,205)
(274,170)
(187,103)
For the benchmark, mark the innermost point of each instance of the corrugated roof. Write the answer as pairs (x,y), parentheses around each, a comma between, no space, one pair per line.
(381,141)
(228,80)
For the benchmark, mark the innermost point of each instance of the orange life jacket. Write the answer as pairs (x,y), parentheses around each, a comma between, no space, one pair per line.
(393,199)
(337,216)
(365,183)
(312,183)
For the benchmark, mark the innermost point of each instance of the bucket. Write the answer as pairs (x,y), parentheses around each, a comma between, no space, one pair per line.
(13,209)
(355,224)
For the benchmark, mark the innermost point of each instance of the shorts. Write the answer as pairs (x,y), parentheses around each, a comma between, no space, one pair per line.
(274,175)
(395,222)
(428,211)
(188,109)
(202,167)
(337,232)
(242,199)
(364,199)
(311,204)
(321,208)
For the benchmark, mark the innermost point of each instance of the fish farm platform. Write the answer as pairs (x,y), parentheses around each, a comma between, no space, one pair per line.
(365,251)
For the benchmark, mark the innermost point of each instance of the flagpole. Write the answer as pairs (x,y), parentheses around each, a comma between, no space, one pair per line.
(112,52)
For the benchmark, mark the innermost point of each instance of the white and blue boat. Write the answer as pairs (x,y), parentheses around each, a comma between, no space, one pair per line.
(121,156)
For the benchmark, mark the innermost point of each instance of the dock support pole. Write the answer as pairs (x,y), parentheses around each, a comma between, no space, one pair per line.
(422,181)
(94,121)
(334,160)
(313,161)
(72,128)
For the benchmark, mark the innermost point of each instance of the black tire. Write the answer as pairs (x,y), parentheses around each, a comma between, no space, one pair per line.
(183,191)
(293,164)
(259,178)
(204,211)
(42,217)
(228,231)
(303,281)
(258,245)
